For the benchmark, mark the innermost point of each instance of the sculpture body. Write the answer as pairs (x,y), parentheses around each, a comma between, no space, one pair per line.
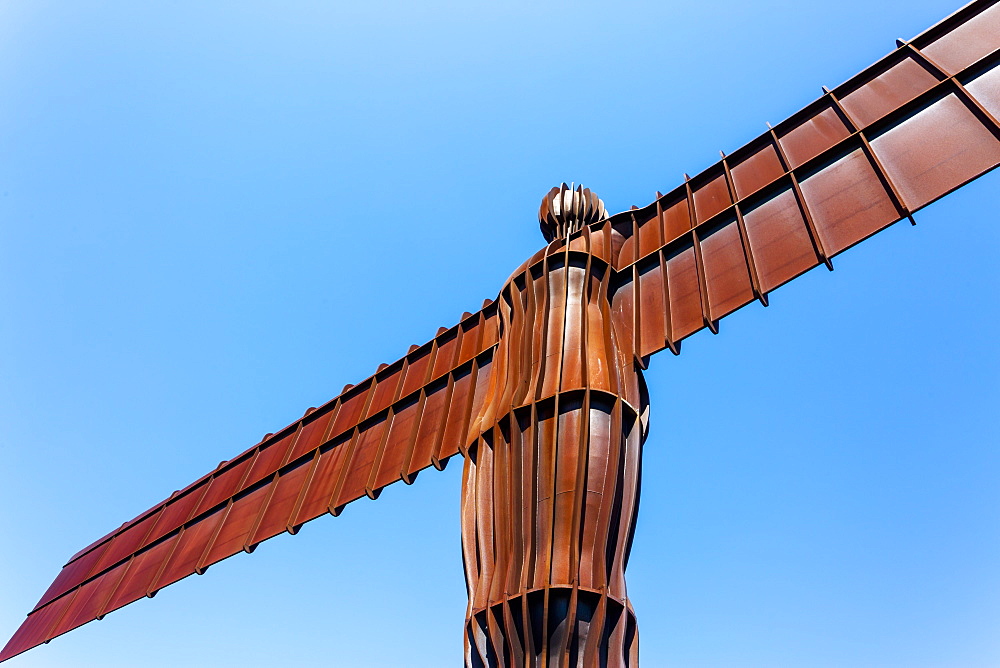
(551,481)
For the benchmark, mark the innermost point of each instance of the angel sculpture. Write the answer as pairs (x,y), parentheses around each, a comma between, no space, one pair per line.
(541,391)
(550,487)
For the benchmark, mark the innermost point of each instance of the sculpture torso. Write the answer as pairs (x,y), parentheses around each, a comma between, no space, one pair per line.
(558,332)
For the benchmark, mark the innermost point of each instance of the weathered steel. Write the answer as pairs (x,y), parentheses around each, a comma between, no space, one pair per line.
(542,391)
(551,480)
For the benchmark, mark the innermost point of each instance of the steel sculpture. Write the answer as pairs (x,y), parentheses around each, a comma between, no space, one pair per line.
(541,391)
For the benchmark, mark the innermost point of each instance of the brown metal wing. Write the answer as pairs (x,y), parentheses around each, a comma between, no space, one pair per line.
(410,415)
(906,131)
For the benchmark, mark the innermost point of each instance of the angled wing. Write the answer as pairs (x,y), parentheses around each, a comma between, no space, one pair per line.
(906,131)
(409,415)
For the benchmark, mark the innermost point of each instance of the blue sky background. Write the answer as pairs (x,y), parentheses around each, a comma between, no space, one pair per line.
(212,218)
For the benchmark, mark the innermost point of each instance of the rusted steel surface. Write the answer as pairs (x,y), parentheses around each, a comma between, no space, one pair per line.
(542,389)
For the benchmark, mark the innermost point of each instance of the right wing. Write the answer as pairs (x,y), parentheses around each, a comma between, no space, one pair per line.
(410,415)
(916,125)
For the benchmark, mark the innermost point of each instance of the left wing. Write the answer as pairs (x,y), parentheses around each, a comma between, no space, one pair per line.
(903,133)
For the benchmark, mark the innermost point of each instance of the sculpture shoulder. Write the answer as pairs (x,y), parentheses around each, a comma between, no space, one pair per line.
(537,257)
(583,242)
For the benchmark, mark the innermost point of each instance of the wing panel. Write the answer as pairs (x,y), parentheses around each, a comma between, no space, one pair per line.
(444,356)
(36,629)
(684,289)
(625,240)
(191,545)
(457,423)
(649,228)
(277,515)
(177,511)
(847,201)
(72,575)
(491,328)
(430,428)
(967,42)
(712,197)
(936,149)
(361,461)
(139,575)
(126,543)
(401,432)
(815,134)
(726,275)
(386,385)
(89,601)
(417,370)
(223,485)
(352,405)
(314,432)
(322,484)
(269,458)
(758,169)
(676,218)
(780,241)
(985,88)
(654,315)
(472,331)
(888,90)
(239,520)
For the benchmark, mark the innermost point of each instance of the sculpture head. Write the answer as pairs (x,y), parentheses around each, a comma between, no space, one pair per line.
(565,210)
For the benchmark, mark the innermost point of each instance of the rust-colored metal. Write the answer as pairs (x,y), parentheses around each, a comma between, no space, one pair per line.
(551,480)
(541,390)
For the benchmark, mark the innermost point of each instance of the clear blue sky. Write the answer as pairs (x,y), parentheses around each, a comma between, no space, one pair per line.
(212,218)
